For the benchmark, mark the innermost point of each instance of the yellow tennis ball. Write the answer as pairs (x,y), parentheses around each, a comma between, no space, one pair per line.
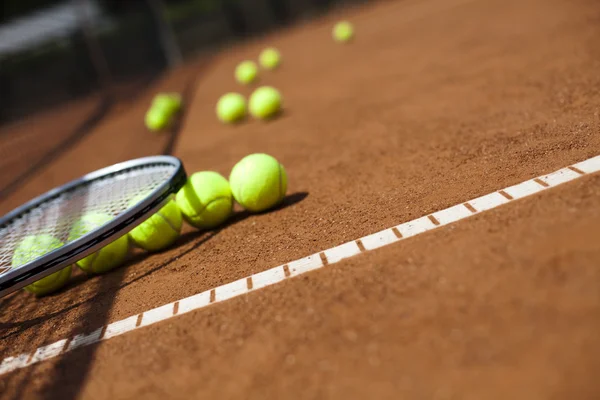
(265,102)
(246,72)
(269,58)
(108,257)
(161,100)
(343,31)
(258,182)
(160,230)
(231,107)
(167,104)
(156,119)
(205,200)
(35,246)
(175,101)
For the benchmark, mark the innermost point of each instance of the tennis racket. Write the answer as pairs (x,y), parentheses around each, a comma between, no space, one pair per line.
(109,191)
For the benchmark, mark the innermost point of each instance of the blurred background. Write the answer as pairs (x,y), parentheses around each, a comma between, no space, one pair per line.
(55,51)
(68,66)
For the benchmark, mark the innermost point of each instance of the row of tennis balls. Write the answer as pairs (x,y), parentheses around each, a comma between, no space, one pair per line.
(258,182)
(264,103)
(247,71)
(163,109)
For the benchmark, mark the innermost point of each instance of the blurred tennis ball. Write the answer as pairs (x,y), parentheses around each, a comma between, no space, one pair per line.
(231,107)
(265,102)
(161,101)
(343,31)
(108,257)
(258,182)
(175,101)
(246,72)
(205,200)
(156,119)
(160,230)
(269,58)
(33,247)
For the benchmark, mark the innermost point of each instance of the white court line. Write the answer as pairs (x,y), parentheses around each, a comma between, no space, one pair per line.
(415,227)
(303,265)
(49,351)
(157,314)
(524,189)
(379,239)
(488,201)
(231,289)
(342,251)
(120,327)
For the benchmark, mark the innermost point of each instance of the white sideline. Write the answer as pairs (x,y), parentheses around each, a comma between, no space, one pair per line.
(306,264)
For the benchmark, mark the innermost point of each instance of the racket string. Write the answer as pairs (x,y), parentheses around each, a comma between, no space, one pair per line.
(110,195)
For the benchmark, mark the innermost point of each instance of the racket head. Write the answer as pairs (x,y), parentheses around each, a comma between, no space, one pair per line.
(111,191)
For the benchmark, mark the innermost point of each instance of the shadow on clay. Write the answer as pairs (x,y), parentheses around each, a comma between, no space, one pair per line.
(72,368)
(112,282)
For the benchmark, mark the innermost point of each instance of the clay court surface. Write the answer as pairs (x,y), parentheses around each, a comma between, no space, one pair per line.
(435,103)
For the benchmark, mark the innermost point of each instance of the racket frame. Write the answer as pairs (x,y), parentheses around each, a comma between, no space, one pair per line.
(55,260)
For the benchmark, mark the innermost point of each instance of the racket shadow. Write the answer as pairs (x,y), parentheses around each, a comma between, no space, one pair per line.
(112,282)
(71,369)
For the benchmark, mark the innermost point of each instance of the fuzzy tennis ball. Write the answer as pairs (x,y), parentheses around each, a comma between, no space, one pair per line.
(269,58)
(108,257)
(35,246)
(343,31)
(167,103)
(246,72)
(156,119)
(205,200)
(258,182)
(160,230)
(175,101)
(161,100)
(265,102)
(231,107)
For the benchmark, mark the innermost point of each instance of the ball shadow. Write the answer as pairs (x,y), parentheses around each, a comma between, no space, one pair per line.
(114,281)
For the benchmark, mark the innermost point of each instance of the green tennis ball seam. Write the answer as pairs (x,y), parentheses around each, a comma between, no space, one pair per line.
(209,203)
(91,267)
(208,226)
(280,185)
(168,222)
(241,194)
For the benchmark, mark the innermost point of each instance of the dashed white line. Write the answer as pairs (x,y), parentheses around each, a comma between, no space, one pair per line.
(47,352)
(342,251)
(157,314)
(415,227)
(12,363)
(589,166)
(488,201)
(452,214)
(120,327)
(524,189)
(231,289)
(560,176)
(85,339)
(306,264)
(379,239)
(194,302)
(268,277)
